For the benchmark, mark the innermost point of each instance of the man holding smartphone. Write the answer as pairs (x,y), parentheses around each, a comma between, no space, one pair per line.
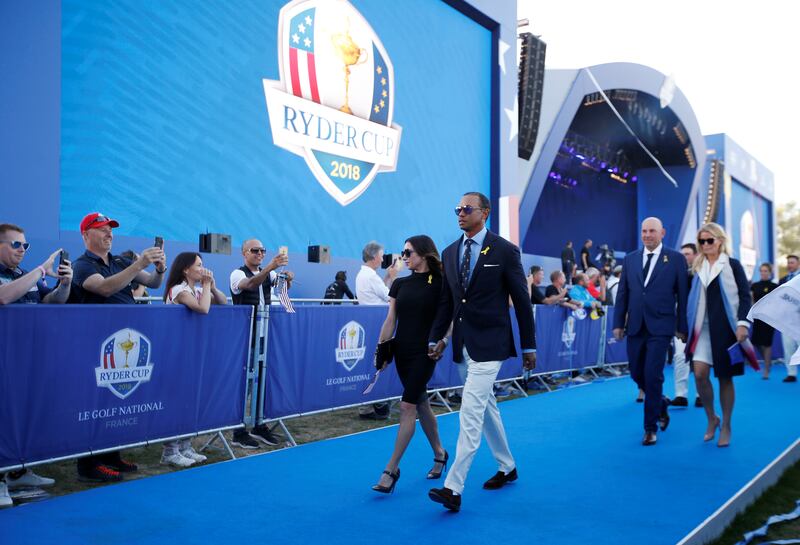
(104,278)
(252,285)
(18,286)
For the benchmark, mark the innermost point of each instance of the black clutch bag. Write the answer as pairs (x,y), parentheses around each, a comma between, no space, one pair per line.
(384,353)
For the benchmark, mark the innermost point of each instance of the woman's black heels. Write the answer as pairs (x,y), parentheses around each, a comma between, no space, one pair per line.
(436,474)
(388,489)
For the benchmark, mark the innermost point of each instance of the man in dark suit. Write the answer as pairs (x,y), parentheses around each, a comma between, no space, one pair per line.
(652,298)
(481,272)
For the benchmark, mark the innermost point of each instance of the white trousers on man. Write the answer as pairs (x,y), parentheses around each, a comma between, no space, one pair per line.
(479,413)
(789,348)
(680,369)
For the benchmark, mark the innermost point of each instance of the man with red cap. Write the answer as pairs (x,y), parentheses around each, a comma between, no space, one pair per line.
(102,278)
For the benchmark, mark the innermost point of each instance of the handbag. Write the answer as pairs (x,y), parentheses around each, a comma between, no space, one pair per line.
(384,353)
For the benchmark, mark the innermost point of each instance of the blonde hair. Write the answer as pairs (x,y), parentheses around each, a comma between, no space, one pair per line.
(715,230)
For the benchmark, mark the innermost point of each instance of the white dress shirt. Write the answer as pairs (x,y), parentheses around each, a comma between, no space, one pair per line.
(370,289)
(656,253)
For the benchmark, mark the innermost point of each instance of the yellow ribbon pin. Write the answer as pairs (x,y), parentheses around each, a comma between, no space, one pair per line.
(485,250)
(430,279)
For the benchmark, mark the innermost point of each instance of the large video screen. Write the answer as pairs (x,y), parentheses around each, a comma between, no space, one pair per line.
(750,227)
(307,122)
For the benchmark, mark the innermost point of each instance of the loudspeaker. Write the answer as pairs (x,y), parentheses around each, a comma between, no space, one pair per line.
(215,243)
(531,83)
(319,254)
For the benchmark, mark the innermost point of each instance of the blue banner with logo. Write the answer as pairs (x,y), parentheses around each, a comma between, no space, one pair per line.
(80,378)
(616,351)
(322,357)
(566,339)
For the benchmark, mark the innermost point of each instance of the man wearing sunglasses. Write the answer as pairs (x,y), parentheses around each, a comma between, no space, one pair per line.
(104,278)
(252,285)
(481,272)
(18,286)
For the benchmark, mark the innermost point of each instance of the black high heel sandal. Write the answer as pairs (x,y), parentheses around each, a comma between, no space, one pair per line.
(436,474)
(388,489)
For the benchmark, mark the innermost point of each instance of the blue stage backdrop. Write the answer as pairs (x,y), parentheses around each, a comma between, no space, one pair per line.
(90,377)
(164,120)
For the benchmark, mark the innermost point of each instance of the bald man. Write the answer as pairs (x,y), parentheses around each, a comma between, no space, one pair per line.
(650,309)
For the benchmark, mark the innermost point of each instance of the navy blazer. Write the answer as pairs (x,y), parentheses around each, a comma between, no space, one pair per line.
(480,315)
(661,305)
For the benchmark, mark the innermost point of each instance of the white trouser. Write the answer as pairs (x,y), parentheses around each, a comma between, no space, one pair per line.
(478,412)
(680,368)
(789,348)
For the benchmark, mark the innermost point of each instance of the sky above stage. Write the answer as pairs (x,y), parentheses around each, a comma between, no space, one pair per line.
(733,60)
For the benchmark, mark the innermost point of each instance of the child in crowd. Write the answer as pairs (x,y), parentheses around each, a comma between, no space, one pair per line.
(182,288)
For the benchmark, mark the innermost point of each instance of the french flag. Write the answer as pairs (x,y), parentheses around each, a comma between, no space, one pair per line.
(301,56)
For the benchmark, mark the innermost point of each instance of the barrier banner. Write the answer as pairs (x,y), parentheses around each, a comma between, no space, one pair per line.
(616,351)
(322,357)
(566,339)
(79,378)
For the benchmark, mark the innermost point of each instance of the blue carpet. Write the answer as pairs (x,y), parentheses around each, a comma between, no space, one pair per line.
(584,478)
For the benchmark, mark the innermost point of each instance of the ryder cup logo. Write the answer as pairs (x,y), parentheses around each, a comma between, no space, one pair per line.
(333,104)
(124,362)
(568,332)
(351,347)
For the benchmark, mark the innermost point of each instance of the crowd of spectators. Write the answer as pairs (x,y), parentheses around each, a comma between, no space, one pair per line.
(100,277)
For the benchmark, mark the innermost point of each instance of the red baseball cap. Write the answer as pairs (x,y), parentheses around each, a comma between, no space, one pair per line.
(96,220)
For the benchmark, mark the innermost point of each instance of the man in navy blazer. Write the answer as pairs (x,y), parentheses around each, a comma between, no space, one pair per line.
(481,272)
(651,308)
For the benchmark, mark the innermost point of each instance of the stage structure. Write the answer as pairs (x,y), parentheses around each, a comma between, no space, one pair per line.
(738,192)
(617,143)
(300,122)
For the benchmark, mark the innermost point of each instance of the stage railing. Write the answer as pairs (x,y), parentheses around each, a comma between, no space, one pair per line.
(84,379)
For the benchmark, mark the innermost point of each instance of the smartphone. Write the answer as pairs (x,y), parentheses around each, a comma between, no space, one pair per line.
(62,257)
(283,250)
(159,243)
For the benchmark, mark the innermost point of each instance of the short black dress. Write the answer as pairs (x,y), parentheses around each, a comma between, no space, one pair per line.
(416,300)
(762,333)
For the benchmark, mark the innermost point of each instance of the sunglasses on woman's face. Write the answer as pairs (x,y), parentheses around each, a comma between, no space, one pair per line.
(708,241)
(406,253)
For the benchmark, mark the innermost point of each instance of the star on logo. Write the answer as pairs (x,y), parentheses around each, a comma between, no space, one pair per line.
(308,20)
(302,28)
(379,70)
(376,109)
(296,38)
(383,81)
(307,42)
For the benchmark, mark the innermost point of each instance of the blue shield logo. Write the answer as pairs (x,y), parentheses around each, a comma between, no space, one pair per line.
(334,102)
(124,362)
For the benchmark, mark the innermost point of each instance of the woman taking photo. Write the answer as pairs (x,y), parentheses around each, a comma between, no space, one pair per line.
(412,307)
(763,333)
(182,289)
(718,305)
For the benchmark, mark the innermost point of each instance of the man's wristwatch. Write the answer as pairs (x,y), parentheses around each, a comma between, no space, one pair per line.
(161,271)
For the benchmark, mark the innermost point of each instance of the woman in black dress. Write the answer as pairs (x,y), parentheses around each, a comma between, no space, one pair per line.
(412,307)
(763,333)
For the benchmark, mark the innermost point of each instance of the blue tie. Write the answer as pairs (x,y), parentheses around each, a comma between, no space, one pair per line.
(647,267)
(465,263)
